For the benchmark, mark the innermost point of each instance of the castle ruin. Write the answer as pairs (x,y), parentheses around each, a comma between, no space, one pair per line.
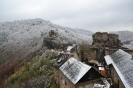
(106,40)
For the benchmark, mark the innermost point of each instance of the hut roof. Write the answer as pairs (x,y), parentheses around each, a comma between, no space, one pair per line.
(123,64)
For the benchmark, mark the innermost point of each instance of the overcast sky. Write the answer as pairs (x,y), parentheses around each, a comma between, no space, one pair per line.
(93,15)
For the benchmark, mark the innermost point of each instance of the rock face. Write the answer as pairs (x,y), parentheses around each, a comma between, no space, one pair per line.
(54,44)
(105,39)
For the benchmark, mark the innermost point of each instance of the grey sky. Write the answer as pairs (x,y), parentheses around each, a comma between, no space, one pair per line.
(93,15)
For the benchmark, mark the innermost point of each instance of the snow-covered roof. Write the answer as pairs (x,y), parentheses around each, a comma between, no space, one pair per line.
(98,86)
(69,48)
(101,68)
(123,65)
(60,60)
(74,70)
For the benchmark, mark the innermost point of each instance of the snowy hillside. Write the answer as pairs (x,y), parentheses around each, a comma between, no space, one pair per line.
(80,31)
(22,32)
(126,38)
(28,34)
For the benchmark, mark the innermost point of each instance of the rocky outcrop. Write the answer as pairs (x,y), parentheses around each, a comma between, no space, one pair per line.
(52,41)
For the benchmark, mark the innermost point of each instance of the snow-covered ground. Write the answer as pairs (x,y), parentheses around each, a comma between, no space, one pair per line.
(29,32)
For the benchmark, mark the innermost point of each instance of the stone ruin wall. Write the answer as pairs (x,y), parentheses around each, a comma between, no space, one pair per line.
(105,39)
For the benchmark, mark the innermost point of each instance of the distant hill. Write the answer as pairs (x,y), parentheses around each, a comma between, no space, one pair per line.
(126,38)
(26,34)
(80,31)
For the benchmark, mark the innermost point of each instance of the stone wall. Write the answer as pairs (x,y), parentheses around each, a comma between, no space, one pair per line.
(56,75)
(105,36)
(115,78)
(65,82)
(105,39)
